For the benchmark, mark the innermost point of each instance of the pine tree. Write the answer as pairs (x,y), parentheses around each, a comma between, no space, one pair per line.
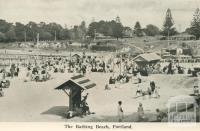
(82,30)
(168,28)
(137,29)
(195,24)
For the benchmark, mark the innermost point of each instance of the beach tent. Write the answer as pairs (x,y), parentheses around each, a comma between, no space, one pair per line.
(74,88)
(76,56)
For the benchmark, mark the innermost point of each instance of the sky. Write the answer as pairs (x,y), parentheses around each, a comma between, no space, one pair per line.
(72,12)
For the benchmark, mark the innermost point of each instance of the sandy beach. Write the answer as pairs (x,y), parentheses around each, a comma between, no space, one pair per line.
(40,102)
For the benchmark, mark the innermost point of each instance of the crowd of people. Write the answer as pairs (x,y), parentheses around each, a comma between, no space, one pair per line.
(122,70)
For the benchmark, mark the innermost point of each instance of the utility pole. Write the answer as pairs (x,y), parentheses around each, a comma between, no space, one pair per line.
(55,36)
(94,34)
(180,38)
(120,64)
(38,37)
(168,37)
(25,36)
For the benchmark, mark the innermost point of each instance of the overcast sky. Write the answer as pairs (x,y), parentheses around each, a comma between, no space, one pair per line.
(72,12)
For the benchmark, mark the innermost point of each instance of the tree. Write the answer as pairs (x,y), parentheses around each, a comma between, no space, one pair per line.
(107,28)
(54,29)
(64,34)
(76,32)
(4,26)
(151,30)
(10,34)
(20,31)
(2,37)
(195,24)
(31,31)
(127,32)
(83,30)
(44,35)
(138,29)
(92,29)
(117,30)
(168,26)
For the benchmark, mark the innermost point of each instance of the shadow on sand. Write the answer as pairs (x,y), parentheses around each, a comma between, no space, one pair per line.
(128,118)
(57,110)
(61,111)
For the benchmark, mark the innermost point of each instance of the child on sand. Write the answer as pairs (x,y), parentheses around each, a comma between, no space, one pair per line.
(160,115)
(140,113)
(1,92)
(107,87)
(157,92)
(139,90)
(120,111)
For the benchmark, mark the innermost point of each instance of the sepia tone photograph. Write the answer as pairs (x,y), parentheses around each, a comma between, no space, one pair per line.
(100,61)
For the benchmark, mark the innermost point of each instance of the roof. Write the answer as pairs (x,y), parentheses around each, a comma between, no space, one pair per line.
(183,35)
(147,57)
(183,56)
(181,99)
(76,55)
(77,81)
(130,51)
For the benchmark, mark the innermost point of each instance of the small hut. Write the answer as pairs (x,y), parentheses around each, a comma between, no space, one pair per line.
(74,88)
(147,59)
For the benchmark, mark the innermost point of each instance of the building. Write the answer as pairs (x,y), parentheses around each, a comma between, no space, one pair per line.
(127,32)
(183,37)
(176,51)
(147,59)
(101,36)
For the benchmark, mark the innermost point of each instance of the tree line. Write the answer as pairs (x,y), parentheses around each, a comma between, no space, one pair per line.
(10,32)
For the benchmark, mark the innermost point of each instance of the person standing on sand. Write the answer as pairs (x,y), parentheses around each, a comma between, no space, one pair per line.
(120,112)
(149,92)
(140,113)
(170,68)
(1,92)
(157,92)
(139,77)
(153,86)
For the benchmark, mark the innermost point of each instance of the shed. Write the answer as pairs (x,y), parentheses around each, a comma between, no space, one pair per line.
(147,58)
(74,88)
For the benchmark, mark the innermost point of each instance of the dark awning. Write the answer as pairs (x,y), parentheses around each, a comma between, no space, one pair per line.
(77,81)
